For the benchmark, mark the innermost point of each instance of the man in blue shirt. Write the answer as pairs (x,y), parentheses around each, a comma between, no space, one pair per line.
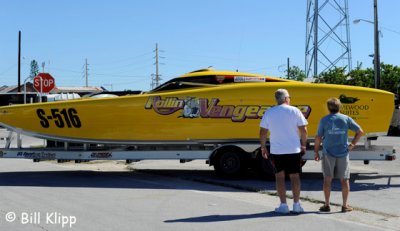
(333,132)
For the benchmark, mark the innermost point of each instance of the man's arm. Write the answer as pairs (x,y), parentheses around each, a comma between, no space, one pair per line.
(317,144)
(263,139)
(303,138)
(356,138)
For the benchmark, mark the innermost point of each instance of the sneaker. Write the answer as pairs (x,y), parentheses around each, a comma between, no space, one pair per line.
(297,208)
(283,209)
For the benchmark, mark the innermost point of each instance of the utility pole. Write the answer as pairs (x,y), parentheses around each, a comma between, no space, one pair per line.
(152,82)
(157,74)
(86,73)
(377,62)
(155,81)
(19,61)
(288,68)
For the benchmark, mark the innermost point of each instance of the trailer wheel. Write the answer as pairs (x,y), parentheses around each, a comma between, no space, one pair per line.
(229,163)
(264,167)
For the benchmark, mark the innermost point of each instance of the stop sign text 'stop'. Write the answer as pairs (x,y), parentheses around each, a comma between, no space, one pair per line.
(43,82)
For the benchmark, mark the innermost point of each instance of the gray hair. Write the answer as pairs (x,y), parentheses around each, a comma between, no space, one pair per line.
(280,95)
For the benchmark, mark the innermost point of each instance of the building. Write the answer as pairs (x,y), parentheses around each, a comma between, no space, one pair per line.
(10,95)
(80,90)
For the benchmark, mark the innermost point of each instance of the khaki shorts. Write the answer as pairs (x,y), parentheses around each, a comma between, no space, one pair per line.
(336,167)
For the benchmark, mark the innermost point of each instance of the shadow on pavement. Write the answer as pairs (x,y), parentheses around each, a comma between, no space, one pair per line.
(148,179)
(84,179)
(221,218)
(311,181)
(367,181)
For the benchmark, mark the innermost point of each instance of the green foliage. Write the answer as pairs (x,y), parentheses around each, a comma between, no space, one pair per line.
(333,76)
(295,74)
(363,78)
(34,68)
(390,77)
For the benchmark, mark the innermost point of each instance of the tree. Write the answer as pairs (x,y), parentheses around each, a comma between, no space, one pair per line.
(333,76)
(363,78)
(34,69)
(390,78)
(295,74)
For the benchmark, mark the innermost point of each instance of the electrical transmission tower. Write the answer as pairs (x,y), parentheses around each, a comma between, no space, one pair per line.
(156,78)
(327,36)
(86,73)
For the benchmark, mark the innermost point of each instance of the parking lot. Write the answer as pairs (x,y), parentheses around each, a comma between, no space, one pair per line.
(167,195)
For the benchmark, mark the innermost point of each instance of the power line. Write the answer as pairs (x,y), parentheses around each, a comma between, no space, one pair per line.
(102,74)
(8,69)
(122,60)
(123,76)
(66,70)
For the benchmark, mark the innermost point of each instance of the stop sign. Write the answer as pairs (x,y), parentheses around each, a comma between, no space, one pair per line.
(43,82)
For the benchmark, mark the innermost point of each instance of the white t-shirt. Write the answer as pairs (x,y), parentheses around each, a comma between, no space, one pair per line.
(283,121)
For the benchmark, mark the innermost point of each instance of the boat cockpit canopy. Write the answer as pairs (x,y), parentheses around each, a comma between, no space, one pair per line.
(212,80)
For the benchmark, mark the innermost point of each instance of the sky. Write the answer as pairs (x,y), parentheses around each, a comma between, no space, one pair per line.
(118,38)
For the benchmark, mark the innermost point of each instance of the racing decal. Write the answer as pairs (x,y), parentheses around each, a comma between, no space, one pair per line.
(242,79)
(350,108)
(65,117)
(347,100)
(37,155)
(101,155)
(192,107)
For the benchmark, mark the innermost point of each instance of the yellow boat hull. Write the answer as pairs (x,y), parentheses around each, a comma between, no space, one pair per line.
(209,114)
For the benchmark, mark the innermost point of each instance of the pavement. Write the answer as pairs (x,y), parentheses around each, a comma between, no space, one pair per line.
(167,195)
(102,199)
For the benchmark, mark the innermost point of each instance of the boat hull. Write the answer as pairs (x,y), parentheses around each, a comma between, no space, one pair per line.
(212,114)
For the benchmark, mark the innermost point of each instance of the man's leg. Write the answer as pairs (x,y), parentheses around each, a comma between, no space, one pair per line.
(327,189)
(345,191)
(280,186)
(344,170)
(296,186)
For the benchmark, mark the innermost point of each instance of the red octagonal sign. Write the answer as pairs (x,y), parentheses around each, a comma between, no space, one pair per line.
(43,82)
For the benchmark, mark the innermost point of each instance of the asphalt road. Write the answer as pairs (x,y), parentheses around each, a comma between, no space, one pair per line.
(106,196)
(166,195)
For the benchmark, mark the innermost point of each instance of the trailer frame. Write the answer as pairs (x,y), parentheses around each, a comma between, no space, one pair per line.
(228,159)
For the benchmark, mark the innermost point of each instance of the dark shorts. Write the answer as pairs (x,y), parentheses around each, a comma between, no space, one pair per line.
(290,163)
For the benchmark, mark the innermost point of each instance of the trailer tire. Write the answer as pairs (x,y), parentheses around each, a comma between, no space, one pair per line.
(264,168)
(230,163)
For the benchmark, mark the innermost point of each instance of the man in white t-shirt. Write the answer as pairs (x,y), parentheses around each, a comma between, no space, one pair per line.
(288,137)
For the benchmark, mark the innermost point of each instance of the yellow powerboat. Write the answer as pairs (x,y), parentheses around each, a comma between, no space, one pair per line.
(201,106)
